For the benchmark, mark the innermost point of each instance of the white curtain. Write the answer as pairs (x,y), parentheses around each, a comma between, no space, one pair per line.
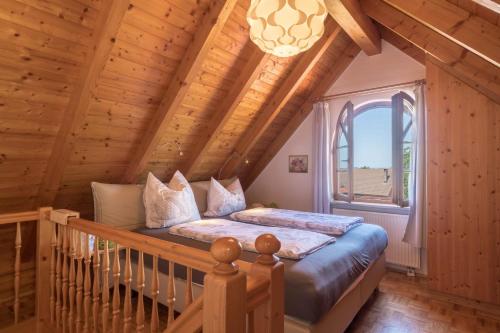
(415,227)
(322,159)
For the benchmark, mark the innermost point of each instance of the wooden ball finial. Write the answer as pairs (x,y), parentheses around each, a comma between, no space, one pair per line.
(226,250)
(267,245)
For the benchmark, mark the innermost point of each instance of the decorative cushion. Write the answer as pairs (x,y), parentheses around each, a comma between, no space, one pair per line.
(168,205)
(200,191)
(223,201)
(118,205)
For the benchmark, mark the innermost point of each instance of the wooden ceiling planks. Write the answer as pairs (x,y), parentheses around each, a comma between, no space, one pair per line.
(470,31)
(252,69)
(120,112)
(42,52)
(468,66)
(74,116)
(186,72)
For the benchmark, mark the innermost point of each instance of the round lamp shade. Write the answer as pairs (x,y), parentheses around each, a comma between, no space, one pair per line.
(286,27)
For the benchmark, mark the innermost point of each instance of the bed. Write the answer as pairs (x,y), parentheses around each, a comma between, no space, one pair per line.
(323,291)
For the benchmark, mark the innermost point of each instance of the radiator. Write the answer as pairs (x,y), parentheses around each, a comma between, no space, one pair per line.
(398,252)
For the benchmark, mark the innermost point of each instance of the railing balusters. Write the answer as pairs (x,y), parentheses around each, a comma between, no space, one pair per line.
(154,296)
(105,286)
(58,274)
(79,283)
(171,292)
(140,291)
(96,288)
(86,285)
(53,245)
(116,290)
(17,271)
(65,280)
(188,297)
(72,278)
(127,305)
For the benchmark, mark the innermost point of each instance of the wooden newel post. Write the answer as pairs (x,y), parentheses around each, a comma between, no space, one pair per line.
(270,317)
(45,253)
(224,292)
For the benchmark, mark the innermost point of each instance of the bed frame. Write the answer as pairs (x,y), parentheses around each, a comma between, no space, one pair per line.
(335,321)
(237,296)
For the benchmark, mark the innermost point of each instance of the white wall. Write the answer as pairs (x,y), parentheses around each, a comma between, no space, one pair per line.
(294,190)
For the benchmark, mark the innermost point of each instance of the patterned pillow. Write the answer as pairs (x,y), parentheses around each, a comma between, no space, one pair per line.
(223,201)
(168,205)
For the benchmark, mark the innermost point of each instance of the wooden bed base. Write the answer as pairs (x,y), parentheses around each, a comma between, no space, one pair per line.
(343,312)
(335,321)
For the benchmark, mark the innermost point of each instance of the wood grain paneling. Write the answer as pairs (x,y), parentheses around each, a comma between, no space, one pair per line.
(463,188)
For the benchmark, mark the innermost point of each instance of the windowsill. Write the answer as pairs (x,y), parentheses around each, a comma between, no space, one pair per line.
(371,207)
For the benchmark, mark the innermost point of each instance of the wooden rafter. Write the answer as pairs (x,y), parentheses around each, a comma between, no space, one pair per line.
(470,31)
(210,27)
(281,97)
(338,67)
(104,36)
(402,44)
(356,24)
(466,65)
(248,75)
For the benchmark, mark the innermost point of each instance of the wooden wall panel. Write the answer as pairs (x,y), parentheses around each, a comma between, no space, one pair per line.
(42,46)
(463,188)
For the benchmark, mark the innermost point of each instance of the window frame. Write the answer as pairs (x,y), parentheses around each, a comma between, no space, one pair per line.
(399,131)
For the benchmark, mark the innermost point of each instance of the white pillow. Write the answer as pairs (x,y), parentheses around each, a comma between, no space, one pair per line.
(168,205)
(223,201)
(200,191)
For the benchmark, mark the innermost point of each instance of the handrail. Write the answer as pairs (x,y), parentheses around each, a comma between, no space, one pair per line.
(19,217)
(181,254)
(187,256)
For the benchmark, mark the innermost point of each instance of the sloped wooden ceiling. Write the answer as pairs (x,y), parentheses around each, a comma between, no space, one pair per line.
(108,90)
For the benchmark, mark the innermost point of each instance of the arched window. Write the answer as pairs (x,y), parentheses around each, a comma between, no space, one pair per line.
(373,151)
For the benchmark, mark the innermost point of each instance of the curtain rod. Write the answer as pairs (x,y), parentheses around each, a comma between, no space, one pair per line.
(370,90)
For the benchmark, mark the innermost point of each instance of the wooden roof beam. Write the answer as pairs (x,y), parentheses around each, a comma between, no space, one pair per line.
(402,44)
(338,67)
(107,26)
(204,39)
(248,75)
(459,25)
(467,66)
(279,99)
(356,24)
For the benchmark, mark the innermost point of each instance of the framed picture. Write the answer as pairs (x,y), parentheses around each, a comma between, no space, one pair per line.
(297,163)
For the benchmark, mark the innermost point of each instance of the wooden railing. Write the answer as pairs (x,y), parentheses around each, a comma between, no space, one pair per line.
(88,290)
(18,221)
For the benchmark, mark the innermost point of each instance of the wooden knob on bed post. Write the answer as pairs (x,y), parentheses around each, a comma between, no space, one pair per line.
(226,250)
(267,246)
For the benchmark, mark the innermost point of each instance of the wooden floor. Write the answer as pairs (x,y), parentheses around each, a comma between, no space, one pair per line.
(405,304)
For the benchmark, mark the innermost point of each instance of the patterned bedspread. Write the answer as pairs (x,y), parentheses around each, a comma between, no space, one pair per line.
(295,244)
(328,224)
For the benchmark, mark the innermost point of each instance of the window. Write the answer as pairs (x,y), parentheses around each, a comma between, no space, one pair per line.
(373,152)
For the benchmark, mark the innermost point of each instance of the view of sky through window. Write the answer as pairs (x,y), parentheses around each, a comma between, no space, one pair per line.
(373,138)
